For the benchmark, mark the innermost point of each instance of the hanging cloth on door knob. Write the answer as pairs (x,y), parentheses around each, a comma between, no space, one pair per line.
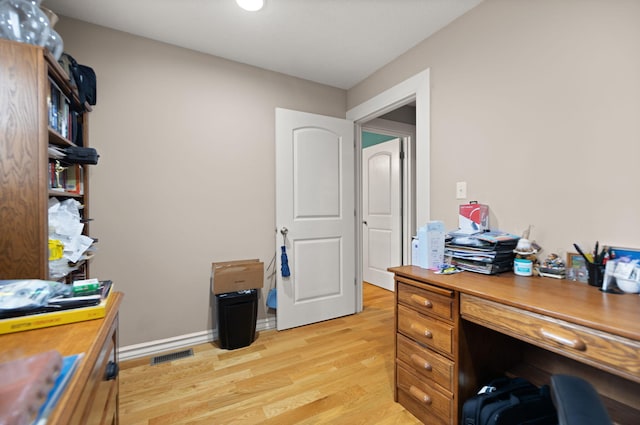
(272,297)
(284,263)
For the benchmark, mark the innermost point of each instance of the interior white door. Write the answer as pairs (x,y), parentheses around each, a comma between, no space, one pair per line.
(382,223)
(315,204)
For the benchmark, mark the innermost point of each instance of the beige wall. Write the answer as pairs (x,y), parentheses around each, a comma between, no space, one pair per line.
(186,172)
(536,105)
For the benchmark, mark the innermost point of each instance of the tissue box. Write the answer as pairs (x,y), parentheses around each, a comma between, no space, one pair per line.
(233,276)
(473,218)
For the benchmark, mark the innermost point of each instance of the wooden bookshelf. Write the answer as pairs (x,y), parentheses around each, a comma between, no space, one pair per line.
(27,74)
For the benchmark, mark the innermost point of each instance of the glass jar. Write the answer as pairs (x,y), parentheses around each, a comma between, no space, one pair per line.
(54,44)
(22,20)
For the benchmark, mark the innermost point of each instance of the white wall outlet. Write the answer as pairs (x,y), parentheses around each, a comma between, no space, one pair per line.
(461,190)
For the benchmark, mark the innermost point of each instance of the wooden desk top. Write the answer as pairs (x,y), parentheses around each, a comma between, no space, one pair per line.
(575,302)
(85,337)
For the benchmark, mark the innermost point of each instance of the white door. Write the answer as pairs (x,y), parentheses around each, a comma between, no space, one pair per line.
(315,204)
(382,225)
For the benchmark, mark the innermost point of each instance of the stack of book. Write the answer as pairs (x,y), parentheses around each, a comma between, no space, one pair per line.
(60,311)
(486,252)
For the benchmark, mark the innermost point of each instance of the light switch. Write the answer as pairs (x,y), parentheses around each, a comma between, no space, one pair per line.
(461,190)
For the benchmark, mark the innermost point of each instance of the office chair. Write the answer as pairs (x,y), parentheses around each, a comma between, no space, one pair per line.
(577,402)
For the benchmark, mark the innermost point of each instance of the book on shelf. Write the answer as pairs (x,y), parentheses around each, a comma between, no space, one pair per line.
(61,315)
(73,181)
(67,369)
(66,179)
(60,114)
(54,102)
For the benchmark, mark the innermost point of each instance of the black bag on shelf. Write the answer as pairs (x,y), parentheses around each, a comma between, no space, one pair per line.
(86,84)
(69,64)
(82,77)
(510,401)
(80,155)
(76,126)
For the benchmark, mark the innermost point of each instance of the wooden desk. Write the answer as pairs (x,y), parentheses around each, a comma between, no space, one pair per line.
(527,326)
(89,398)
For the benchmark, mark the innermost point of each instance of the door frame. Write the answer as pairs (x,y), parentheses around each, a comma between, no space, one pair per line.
(416,89)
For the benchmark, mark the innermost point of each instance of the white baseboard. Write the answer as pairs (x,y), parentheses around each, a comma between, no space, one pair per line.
(151,348)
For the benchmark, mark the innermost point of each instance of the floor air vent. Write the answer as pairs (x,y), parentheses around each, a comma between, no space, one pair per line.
(171,357)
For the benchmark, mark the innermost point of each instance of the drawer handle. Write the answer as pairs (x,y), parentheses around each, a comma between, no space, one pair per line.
(421,301)
(420,395)
(420,362)
(564,338)
(112,371)
(422,331)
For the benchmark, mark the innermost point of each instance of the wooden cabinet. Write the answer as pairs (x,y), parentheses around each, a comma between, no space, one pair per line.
(91,397)
(27,74)
(426,351)
(455,333)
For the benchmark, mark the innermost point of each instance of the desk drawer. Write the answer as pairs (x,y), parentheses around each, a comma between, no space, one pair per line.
(615,354)
(424,362)
(422,400)
(426,330)
(427,302)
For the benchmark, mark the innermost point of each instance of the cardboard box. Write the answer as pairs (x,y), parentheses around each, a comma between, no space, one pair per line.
(239,275)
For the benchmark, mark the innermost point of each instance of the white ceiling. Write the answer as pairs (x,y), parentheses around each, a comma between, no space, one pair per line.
(334,42)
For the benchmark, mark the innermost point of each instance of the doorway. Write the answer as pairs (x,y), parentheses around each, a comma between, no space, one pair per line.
(381,210)
(388,146)
(415,89)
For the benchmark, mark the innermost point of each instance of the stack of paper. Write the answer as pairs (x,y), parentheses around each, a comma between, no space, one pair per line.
(487,253)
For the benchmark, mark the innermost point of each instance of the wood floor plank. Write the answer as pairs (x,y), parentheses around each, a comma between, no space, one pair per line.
(335,372)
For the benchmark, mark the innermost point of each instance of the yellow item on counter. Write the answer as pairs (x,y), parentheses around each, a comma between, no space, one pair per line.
(56,249)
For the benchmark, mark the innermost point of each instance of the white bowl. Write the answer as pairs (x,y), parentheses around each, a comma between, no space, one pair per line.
(627,285)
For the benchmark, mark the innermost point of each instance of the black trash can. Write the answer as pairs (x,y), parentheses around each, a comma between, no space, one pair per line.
(237,315)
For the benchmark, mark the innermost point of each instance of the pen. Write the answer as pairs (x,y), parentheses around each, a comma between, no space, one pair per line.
(595,253)
(575,245)
(604,255)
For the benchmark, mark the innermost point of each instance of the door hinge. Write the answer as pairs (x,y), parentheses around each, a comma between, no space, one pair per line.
(402,156)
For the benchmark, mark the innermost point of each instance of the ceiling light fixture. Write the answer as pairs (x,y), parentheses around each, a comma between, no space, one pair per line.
(251,5)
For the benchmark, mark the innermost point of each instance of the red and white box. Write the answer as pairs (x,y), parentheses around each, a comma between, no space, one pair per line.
(473,218)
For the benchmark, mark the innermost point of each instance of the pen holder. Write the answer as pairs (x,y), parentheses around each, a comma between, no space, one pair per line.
(596,274)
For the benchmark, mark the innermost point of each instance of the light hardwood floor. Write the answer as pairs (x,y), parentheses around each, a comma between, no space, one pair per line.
(334,372)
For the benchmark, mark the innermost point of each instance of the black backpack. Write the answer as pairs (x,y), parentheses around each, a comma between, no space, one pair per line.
(82,76)
(510,401)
